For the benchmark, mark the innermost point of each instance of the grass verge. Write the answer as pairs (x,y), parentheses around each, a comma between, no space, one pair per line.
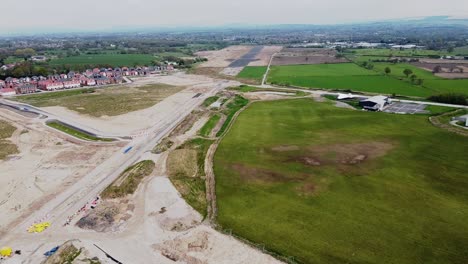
(231,109)
(6,147)
(205,131)
(210,100)
(128,181)
(186,169)
(76,133)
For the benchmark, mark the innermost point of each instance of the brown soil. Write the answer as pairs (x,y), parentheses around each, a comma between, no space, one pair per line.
(347,154)
(292,56)
(258,174)
(186,124)
(449,70)
(109,215)
(182,249)
(283,148)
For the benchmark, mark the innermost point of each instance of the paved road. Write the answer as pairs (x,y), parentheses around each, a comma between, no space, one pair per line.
(58,209)
(51,116)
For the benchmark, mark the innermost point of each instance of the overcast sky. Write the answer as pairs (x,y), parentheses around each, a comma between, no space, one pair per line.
(46,15)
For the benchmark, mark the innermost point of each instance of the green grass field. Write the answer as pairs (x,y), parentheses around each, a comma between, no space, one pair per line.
(345,76)
(253,72)
(461,50)
(431,82)
(112,59)
(332,185)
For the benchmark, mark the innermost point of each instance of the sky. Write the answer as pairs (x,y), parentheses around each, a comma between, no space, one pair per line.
(94,15)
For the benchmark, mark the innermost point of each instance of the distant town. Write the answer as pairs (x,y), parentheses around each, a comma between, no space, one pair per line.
(91,77)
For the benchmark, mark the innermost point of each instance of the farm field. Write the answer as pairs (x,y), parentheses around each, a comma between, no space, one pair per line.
(332,185)
(461,50)
(116,60)
(110,101)
(396,52)
(434,83)
(253,72)
(344,76)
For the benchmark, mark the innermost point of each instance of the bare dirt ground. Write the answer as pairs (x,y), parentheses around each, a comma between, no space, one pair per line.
(164,229)
(449,69)
(263,58)
(135,123)
(222,58)
(45,165)
(294,56)
(232,71)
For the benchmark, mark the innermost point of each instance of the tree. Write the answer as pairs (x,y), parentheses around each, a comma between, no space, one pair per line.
(407,72)
(419,81)
(388,70)
(25,53)
(450,49)
(413,77)
(437,69)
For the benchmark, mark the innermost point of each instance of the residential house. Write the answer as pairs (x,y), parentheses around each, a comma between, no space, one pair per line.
(26,88)
(50,85)
(68,84)
(7,92)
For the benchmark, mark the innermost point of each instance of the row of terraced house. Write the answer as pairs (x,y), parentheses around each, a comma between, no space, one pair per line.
(91,77)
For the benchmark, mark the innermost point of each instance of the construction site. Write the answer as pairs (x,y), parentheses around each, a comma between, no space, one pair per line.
(81,200)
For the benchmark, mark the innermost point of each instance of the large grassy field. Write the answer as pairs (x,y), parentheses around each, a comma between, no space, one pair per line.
(112,59)
(253,72)
(332,185)
(345,76)
(108,101)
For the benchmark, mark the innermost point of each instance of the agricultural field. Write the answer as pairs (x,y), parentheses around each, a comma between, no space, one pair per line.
(115,60)
(296,56)
(396,52)
(461,50)
(344,76)
(431,82)
(332,185)
(253,72)
(110,101)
